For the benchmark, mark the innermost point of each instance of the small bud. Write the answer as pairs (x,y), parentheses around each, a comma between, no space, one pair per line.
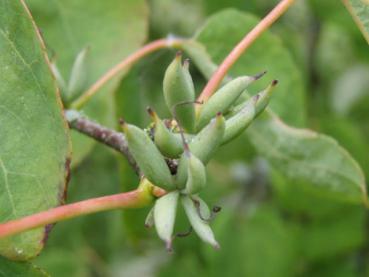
(147,156)
(164,216)
(169,145)
(59,81)
(200,226)
(222,100)
(78,76)
(179,93)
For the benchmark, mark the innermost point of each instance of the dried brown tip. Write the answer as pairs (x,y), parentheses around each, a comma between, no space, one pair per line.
(150,111)
(219,114)
(216,246)
(122,121)
(274,83)
(217,209)
(261,74)
(186,63)
(169,246)
(179,54)
(256,97)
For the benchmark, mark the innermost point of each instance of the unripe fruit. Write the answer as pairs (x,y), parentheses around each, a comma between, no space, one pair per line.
(262,102)
(179,93)
(264,97)
(203,146)
(164,216)
(196,174)
(240,121)
(222,100)
(200,226)
(169,145)
(148,157)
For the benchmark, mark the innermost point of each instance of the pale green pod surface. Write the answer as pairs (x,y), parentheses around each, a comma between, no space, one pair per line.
(203,146)
(264,98)
(78,76)
(196,175)
(206,142)
(169,145)
(200,226)
(222,100)
(148,157)
(240,121)
(149,221)
(179,94)
(164,216)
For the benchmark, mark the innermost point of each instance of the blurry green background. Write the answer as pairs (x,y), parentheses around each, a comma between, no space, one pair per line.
(269,226)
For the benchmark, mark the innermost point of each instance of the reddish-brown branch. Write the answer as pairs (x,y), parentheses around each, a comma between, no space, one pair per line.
(133,199)
(241,47)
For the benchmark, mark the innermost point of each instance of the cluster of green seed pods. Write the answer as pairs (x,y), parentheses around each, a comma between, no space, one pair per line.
(189,140)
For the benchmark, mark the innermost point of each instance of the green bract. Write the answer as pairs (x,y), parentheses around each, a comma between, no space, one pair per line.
(179,93)
(147,156)
(169,145)
(223,99)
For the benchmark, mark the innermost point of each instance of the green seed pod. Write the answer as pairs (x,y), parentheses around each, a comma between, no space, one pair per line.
(262,102)
(264,97)
(147,156)
(196,174)
(203,146)
(149,221)
(240,121)
(179,93)
(169,145)
(164,216)
(78,76)
(205,143)
(222,100)
(200,226)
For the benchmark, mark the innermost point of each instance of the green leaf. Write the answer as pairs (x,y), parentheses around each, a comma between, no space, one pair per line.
(251,244)
(113,29)
(19,269)
(267,53)
(34,141)
(300,154)
(303,154)
(359,10)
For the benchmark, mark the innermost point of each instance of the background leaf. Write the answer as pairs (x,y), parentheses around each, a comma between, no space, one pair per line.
(299,154)
(19,269)
(34,141)
(359,10)
(309,156)
(229,27)
(112,29)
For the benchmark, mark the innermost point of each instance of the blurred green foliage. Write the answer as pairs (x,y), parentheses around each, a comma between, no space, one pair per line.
(269,225)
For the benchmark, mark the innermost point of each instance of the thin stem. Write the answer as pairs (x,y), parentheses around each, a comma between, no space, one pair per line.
(124,64)
(133,199)
(109,137)
(241,47)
